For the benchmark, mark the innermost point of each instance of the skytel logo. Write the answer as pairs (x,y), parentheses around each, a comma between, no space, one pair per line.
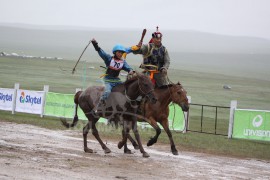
(257,122)
(29,99)
(5,97)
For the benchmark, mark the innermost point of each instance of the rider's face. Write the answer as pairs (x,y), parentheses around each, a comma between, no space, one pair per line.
(157,41)
(118,54)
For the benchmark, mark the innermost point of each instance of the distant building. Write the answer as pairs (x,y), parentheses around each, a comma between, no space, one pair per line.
(3,54)
(225,86)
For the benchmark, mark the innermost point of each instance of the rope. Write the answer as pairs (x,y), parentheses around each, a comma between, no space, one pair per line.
(173,117)
(170,82)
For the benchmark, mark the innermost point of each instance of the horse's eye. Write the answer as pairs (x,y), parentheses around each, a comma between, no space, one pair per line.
(178,92)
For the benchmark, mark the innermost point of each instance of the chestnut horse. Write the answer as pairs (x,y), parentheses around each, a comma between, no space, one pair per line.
(159,112)
(119,103)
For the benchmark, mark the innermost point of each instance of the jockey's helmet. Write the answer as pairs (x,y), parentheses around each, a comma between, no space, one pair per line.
(118,47)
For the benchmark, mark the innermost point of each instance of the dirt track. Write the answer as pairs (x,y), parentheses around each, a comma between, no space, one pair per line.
(30,152)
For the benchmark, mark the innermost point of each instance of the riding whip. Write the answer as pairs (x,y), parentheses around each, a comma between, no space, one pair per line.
(143,34)
(80,57)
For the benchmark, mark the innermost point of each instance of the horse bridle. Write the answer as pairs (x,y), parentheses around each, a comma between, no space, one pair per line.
(146,94)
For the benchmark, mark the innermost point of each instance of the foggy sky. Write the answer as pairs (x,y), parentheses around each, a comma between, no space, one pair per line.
(229,17)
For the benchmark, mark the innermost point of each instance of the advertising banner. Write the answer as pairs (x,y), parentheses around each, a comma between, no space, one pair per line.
(62,105)
(29,101)
(6,99)
(59,105)
(251,124)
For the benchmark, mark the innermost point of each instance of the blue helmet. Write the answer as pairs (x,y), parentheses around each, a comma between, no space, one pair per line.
(118,47)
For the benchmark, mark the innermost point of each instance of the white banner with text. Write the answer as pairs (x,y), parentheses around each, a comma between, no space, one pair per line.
(6,99)
(29,101)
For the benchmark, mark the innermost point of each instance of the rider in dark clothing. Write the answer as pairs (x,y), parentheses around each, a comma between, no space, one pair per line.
(154,53)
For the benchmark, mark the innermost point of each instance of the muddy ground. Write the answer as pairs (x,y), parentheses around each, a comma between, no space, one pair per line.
(30,152)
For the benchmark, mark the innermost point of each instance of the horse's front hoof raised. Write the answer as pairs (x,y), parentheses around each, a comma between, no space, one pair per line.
(120,144)
(87,150)
(107,150)
(151,142)
(146,155)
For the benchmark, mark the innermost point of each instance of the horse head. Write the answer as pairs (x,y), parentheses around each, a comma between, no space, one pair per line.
(141,84)
(179,96)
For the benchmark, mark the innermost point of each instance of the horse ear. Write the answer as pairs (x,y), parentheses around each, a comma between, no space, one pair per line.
(178,83)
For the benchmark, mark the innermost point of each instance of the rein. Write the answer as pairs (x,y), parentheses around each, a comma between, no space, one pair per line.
(185,128)
(128,98)
(144,93)
(172,104)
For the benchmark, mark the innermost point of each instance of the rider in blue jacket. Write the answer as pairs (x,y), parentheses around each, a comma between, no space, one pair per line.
(114,65)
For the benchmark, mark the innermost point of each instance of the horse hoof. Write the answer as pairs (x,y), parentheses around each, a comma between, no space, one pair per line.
(146,155)
(87,150)
(107,150)
(150,143)
(128,151)
(136,147)
(120,145)
(175,152)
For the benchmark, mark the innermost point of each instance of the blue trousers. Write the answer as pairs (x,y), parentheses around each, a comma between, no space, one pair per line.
(108,89)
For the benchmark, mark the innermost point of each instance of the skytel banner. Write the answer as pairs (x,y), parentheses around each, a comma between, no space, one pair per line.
(29,101)
(6,99)
(251,124)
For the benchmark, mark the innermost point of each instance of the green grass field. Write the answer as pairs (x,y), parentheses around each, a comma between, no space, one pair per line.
(204,88)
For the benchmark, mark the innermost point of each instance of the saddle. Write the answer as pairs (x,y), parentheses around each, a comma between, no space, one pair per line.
(150,70)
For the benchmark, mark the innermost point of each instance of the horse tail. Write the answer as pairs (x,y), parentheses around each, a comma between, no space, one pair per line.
(76,98)
(75,119)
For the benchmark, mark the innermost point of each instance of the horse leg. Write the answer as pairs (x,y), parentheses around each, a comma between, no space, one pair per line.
(85,132)
(165,125)
(126,150)
(96,134)
(154,124)
(134,143)
(124,135)
(137,136)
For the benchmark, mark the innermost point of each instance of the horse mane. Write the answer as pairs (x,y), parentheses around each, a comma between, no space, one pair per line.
(169,85)
(133,78)
(165,86)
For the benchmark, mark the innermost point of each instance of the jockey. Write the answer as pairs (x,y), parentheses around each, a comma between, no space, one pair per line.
(154,53)
(114,65)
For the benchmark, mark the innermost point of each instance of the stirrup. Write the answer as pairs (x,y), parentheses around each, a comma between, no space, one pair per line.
(101,103)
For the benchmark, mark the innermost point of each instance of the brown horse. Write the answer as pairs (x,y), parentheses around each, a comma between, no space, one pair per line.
(121,102)
(159,111)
